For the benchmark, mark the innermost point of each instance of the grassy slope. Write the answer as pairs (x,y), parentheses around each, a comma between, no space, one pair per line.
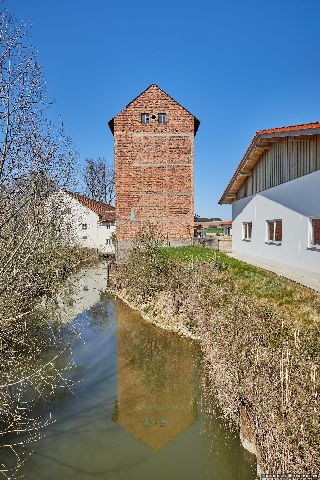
(293,297)
(214,230)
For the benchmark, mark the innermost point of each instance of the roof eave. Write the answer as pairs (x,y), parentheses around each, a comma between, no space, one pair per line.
(227,193)
(229,196)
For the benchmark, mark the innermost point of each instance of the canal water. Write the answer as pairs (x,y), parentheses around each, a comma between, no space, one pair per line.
(137,408)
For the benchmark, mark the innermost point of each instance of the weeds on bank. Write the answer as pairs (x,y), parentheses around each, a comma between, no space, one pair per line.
(302,303)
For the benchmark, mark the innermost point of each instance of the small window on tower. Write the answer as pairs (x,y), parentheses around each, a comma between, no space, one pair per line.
(145,117)
(162,118)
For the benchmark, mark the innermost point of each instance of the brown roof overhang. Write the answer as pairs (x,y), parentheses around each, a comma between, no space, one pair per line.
(260,143)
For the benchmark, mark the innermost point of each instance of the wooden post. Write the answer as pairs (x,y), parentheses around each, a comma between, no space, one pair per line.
(108,274)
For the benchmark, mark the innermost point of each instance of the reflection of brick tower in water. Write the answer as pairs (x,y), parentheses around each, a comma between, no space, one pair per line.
(154,158)
(156,384)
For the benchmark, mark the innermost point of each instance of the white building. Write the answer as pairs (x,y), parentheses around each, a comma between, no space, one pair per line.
(275,197)
(92,222)
(227,228)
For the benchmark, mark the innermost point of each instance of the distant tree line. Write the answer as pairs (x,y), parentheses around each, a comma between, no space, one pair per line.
(197,218)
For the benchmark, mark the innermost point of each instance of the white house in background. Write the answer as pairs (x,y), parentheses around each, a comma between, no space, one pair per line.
(275,197)
(92,222)
(227,227)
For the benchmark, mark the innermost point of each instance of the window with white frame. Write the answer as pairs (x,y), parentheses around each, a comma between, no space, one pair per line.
(162,118)
(84,226)
(108,225)
(108,241)
(274,231)
(145,118)
(246,230)
(315,232)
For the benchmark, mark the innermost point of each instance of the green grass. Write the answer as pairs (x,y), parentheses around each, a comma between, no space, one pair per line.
(249,279)
(214,230)
(189,253)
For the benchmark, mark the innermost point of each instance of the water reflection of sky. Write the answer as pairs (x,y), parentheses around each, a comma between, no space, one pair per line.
(134,412)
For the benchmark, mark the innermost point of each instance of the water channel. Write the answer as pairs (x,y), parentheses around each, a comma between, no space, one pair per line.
(137,409)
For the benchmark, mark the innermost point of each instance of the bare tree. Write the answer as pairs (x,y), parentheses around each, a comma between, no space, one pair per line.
(36,160)
(99,180)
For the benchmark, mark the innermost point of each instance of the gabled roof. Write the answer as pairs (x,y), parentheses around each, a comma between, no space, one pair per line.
(105,212)
(258,145)
(196,121)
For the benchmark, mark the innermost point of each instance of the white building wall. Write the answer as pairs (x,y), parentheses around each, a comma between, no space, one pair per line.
(294,203)
(227,230)
(104,233)
(87,230)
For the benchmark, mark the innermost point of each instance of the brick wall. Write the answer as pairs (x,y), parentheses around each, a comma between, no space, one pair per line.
(154,168)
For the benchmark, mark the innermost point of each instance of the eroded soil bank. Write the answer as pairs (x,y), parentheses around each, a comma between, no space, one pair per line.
(260,338)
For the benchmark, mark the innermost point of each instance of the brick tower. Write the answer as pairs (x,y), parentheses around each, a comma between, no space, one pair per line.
(153,150)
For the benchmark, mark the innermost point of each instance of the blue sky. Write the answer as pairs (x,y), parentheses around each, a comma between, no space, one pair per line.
(238,66)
